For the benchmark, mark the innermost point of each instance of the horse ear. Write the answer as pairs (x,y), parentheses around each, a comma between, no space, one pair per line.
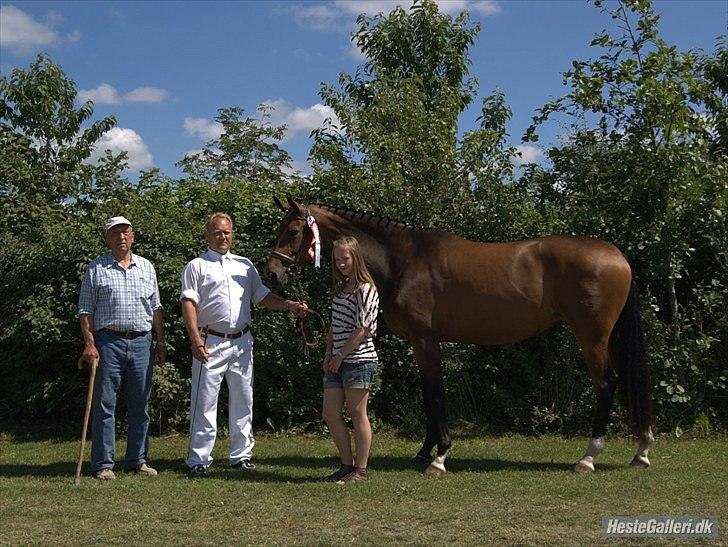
(280,205)
(292,204)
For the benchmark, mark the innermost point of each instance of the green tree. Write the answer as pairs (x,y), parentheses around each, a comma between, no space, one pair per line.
(396,146)
(42,140)
(45,238)
(643,168)
(246,149)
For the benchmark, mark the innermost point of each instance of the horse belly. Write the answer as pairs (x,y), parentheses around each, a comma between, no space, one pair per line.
(497,298)
(486,322)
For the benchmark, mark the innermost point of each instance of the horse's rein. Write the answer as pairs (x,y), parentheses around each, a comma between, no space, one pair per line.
(309,340)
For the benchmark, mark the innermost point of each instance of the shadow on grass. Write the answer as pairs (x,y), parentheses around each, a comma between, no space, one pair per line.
(275,469)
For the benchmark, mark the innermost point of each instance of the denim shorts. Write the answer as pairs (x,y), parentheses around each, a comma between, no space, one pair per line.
(352,376)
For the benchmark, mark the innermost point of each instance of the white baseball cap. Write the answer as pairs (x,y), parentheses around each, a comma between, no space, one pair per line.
(115,221)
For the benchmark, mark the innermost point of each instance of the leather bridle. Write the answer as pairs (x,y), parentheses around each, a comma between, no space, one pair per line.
(292,263)
(293,269)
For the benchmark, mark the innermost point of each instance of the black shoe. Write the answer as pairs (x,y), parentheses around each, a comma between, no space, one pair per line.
(244,464)
(197,471)
(340,473)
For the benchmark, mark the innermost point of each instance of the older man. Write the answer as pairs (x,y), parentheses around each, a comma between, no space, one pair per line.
(217,289)
(118,308)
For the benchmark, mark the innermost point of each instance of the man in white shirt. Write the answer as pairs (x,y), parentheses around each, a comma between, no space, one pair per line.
(217,289)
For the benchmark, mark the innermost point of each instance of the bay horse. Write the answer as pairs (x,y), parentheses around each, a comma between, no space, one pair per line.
(437,287)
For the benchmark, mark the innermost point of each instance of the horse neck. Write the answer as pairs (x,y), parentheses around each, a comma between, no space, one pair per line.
(378,247)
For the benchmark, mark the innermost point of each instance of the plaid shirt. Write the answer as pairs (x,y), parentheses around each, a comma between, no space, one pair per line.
(118,298)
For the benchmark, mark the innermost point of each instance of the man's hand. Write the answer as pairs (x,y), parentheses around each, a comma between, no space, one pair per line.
(160,353)
(199,352)
(90,354)
(299,308)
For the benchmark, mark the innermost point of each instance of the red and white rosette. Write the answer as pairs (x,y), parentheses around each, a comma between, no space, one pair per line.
(315,242)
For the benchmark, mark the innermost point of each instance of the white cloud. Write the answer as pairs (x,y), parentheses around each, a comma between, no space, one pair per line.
(354,52)
(107,94)
(486,7)
(529,154)
(120,139)
(74,37)
(104,94)
(319,17)
(335,15)
(204,128)
(370,7)
(452,7)
(20,31)
(300,168)
(22,34)
(297,119)
(146,95)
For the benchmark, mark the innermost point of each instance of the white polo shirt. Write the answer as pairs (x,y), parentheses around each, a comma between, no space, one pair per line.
(222,287)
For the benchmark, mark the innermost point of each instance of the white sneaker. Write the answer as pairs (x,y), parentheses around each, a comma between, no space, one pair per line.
(144,469)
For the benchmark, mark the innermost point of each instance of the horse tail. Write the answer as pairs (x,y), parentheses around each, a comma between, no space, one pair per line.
(629,353)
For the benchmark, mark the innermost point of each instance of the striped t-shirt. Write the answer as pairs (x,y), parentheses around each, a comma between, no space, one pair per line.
(350,311)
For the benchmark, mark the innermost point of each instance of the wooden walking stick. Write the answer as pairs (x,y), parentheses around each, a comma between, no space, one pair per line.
(89,398)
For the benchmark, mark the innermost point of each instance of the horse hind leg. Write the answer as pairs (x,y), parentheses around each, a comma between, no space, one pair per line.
(645,442)
(605,382)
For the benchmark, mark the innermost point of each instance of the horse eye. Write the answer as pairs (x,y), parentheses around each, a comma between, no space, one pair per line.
(293,232)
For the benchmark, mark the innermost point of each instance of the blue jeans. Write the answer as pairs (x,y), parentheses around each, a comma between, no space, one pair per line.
(352,376)
(132,361)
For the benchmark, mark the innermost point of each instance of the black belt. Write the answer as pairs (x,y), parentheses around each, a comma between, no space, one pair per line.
(128,334)
(232,336)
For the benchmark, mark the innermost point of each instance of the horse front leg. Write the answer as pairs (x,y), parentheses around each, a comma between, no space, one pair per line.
(425,453)
(427,353)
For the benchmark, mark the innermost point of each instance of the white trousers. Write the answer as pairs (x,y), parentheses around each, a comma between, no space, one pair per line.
(233,360)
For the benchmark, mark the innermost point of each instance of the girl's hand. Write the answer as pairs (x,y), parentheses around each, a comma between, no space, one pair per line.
(335,363)
(326,363)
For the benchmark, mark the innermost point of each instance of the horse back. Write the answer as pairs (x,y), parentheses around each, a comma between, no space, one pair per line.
(497,293)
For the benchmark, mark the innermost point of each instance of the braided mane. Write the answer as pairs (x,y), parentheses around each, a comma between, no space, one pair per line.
(372,219)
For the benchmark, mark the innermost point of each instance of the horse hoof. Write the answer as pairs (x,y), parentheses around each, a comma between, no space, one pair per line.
(422,459)
(640,461)
(434,470)
(584,468)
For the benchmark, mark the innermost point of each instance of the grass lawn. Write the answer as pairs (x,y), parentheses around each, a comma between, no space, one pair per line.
(497,490)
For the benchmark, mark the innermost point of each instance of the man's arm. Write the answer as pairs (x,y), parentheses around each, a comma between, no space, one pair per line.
(189,314)
(274,302)
(90,353)
(160,350)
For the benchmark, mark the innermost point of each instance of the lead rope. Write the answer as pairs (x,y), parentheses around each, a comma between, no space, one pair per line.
(309,340)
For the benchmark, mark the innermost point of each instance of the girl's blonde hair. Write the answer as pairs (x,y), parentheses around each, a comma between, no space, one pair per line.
(360,271)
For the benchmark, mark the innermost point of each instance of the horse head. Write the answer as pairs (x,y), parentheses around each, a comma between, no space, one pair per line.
(293,240)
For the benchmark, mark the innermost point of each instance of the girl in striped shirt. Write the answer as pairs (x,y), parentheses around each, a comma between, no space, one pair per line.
(351,359)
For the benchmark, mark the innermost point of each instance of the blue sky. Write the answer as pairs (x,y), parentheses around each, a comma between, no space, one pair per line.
(164,68)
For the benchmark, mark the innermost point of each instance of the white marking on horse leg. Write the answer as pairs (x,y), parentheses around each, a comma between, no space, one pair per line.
(640,459)
(437,466)
(586,463)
